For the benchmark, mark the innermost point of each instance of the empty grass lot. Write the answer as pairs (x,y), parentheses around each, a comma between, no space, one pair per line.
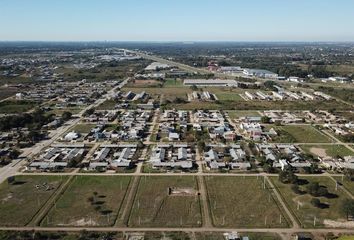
(349,185)
(59,112)
(351,237)
(225,93)
(109,104)
(154,207)
(12,106)
(307,212)
(237,114)
(243,203)
(20,201)
(83,128)
(220,236)
(173,83)
(329,150)
(304,134)
(89,201)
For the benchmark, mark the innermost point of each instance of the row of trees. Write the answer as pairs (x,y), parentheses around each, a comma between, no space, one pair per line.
(316,191)
(34,120)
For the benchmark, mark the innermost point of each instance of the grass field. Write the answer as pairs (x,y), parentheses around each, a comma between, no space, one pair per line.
(83,128)
(351,237)
(305,212)
(173,83)
(6,92)
(59,112)
(237,114)
(19,202)
(349,185)
(302,134)
(226,94)
(166,235)
(109,104)
(118,70)
(252,236)
(275,105)
(89,201)
(242,202)
(196,105)
(329,150)
(154,207)
(12,106)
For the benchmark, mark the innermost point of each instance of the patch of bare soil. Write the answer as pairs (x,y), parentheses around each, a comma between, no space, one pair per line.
(339,224)
(319,152)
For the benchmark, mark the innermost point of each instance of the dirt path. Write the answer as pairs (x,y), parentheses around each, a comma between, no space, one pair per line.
(129,202)
(204,200)
(202,229)
(50,203)
(294,222)
(342,188)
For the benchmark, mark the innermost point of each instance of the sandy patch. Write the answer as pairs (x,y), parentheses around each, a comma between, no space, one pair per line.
(182,191)
(339,224)
(81,223)
(85,222)
(321,152)
(298,201)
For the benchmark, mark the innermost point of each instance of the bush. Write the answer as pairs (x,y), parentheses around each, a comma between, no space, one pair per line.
(347,207)
(288,176)
(295,188)
(316,190)
(316,202)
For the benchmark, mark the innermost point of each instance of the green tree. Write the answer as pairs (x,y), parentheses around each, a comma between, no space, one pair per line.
(265,119)
(288,176)
(194,88)
(316,202)
(66,116)
(347,207)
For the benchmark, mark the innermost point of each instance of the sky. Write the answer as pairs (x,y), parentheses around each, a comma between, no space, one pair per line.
(176,20)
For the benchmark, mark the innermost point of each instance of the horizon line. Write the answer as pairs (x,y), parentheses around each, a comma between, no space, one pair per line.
(177,41)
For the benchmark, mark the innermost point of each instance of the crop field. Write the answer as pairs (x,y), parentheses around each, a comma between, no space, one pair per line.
(327,150)
(22,199)
(327,215)
(89,201)
(300,134)
(157,205)
(12,106)
(243,202)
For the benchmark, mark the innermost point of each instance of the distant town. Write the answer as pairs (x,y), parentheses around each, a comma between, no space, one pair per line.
(177,141)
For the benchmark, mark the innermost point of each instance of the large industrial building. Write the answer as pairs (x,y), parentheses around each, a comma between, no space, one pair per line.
(210,82)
